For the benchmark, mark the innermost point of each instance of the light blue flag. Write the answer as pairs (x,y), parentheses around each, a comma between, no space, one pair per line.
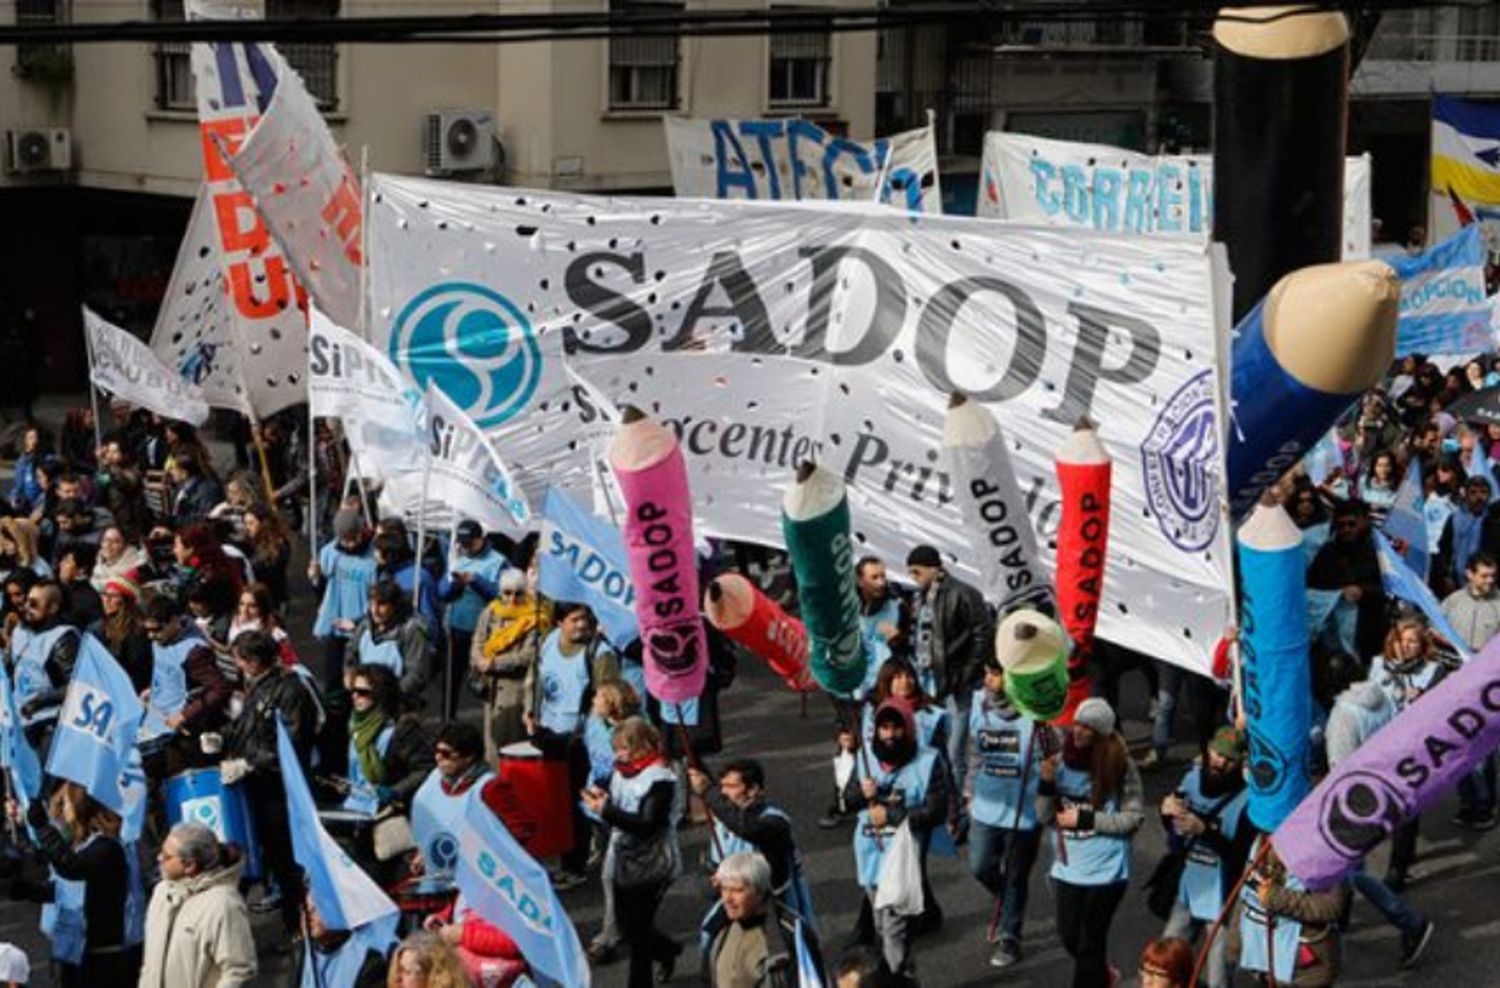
(1401,582)
(1324,458)
(505,885)
(1406,520)
(16,753)
(1332,621)
(583,560)
(345,896)
(1480,465)
(95,741)
(1443,307)
(808,975)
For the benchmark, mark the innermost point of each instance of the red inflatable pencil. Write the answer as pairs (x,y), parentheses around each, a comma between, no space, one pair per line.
(737,607)
(1083,473)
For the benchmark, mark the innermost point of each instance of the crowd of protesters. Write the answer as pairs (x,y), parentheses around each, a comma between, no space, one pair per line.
(185,576)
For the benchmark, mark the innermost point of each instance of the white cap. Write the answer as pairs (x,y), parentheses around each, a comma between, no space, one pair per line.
(14,967)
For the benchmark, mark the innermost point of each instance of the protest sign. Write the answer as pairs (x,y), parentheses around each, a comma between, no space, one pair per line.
(583,559)
(95,742)
(768,334)
(797,159)
(235,83)
(1443,307)
(1069,183)
(128,369)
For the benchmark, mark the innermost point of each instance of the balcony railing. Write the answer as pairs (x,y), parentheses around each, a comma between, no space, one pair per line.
(1433,48)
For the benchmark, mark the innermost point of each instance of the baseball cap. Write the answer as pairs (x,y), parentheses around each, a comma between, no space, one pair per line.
(469,529)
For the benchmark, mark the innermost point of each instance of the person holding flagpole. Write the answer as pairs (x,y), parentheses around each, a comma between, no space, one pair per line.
(330,958)
(91,886)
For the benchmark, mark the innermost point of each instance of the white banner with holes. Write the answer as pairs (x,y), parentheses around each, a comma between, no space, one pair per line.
(796,159)
(765,334)
(1070,183)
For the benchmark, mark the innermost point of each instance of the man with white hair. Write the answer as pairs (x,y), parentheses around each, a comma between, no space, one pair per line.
(753,938)
(197,927)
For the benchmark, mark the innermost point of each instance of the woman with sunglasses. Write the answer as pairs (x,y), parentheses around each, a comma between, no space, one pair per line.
(389,756)
(507,641)
(437,810)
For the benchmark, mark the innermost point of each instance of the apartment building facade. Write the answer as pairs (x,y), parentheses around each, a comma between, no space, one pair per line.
(102,154)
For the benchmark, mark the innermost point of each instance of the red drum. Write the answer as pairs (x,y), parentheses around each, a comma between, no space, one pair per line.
(536,799)
(422,895)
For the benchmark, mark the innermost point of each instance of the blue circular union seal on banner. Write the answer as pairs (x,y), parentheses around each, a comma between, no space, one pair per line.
(1177,462)
(474,345)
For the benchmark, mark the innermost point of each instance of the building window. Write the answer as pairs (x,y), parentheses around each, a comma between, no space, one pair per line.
(315,62)
(46,62)
(799,68)
(643,71)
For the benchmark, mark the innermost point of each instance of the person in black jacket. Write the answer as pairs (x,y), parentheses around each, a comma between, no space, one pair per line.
(272,695)
(336,956)
(744,820)
(43,651)
(120,630)
(952,635)
(93,855)
(198,493)
(1347,562)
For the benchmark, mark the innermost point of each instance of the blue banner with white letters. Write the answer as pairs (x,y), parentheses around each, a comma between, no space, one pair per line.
(16,753)
(583,560)
(1443,306)
(506,886)
(95,742)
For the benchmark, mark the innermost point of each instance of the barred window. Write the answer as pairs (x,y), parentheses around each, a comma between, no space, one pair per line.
(799,68)
(34,59)
(315,62)
(643,71)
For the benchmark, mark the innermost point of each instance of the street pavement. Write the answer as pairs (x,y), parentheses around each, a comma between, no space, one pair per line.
(1453,880)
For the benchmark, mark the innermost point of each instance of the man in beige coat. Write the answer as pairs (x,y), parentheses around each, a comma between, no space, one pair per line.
(197,927)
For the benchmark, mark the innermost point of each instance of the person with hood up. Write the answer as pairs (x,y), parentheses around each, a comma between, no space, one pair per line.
(905,784)
(1205,818)
(197,927)
(1091,792)
(1360,710)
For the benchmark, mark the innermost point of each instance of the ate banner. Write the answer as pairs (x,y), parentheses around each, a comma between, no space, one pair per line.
(766,334)
(797,159)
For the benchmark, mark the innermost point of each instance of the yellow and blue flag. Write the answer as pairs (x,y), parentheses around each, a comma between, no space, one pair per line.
(1466,149)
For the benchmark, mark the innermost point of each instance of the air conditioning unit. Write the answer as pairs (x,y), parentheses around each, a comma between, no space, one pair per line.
(39,149)
(459,141)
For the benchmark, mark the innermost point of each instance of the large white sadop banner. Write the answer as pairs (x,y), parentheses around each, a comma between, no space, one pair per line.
(767,334)
(193,332)
(1069,183)
(307,194)
(235,84)
(796,159)
(126,368)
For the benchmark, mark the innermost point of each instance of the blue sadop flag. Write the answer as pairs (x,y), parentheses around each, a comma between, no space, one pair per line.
(505,885)
(1480,465)
(95,741)
(583,559)
(16,753)
(1401,582)
(1407,520)
(346,898)
(808,975)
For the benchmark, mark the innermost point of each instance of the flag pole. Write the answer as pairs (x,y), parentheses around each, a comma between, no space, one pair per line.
(88,342)
(416,580)
(312,479)
(359,482)
(448,667)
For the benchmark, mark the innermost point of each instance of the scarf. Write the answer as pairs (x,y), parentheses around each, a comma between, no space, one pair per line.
(514,622)
(364,728)
(635,766)
(1467,529)
(1079,759)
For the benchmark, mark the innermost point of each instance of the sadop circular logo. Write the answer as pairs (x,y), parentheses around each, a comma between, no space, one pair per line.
(474,345)
(1177,459)
(442,852)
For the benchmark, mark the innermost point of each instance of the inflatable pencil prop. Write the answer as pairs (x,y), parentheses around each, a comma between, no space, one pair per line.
(984,484)
(1322,337)
(815,524)
(1273,646)
(658,536)
(737,607)
(1280,107)
(1083,474)
(1033,651)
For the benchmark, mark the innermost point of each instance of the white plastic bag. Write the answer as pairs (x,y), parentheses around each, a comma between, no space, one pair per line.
(899,886)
